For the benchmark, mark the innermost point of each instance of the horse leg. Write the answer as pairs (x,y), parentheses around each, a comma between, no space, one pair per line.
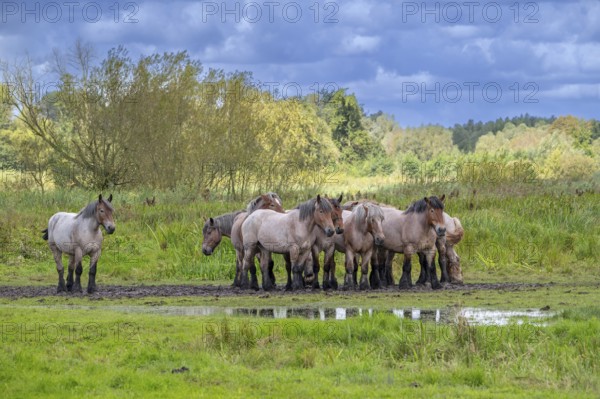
(430,258)
(355,271)
(253,278)
(332,279)
(271,274)
(265,258)
(375,276)
(348,279)
(288,269)
(329,267)
(389,266)
(364,270)
(249,252)
(316,267)
(70,273)
(423,275)
(297,267)
(454,269)
(326,273)
(239,261)
(406,280)
(59,268)
(94,256)
(440,244)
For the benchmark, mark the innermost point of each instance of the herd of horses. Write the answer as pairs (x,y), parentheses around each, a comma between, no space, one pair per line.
(367,233)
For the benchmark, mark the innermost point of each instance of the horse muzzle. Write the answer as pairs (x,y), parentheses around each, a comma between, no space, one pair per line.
(110,229)
(207,251)
(329,232)
(379,240)
(440,231)
(339,230)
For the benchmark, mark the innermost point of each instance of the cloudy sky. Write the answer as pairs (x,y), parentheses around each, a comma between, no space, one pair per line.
(432,62)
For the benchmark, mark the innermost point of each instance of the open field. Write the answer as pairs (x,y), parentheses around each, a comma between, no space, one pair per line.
(526,247)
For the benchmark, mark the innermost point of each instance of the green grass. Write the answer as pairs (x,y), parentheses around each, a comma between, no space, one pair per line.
(513,231)
(58,353)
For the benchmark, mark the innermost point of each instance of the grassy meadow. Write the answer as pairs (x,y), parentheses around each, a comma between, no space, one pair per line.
(56,353)
(513,232)
(521,232)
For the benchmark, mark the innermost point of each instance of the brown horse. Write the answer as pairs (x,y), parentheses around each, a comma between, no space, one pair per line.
(415,230)
(291,232)
(78,235)
(363,230)
(237,241)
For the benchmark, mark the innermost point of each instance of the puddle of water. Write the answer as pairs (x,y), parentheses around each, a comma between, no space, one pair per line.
(474,316)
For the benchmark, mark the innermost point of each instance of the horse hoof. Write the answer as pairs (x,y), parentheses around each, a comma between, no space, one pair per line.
(404,285)
(326,285)
(90,290)
(364,286)
(436,286)
(334,284)
(60,289)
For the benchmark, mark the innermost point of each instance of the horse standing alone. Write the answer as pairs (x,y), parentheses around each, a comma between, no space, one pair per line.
(78,235)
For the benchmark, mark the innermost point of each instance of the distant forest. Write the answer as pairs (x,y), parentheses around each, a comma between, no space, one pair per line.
(164,121)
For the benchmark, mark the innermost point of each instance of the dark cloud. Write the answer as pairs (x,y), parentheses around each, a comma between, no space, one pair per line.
(547,51)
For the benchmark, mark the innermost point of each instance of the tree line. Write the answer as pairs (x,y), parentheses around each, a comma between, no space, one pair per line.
(164,121)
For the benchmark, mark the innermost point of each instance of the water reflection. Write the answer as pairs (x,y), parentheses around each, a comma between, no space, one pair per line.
(476,316)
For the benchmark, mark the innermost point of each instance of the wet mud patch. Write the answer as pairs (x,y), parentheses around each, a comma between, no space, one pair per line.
(141,291)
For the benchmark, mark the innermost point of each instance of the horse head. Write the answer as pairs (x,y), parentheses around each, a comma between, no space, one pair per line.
(212,236)
(336,215)
(271,201)
(435,214)
(104,214)
(374,220)
(322,215)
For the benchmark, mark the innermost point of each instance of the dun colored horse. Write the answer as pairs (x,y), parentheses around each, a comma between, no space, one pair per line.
(363,230)
(327,245)
(237,241)
(78,235)
(414,231)
(291,232)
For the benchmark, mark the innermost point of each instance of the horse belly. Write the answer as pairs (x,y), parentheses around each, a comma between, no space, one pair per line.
(60,232)
(276,244)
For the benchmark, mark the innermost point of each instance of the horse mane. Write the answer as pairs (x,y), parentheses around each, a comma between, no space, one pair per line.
(275,197)
(307,208)
(350,205)
(364,216)
(420,205)
(89,211)
(224,222)
(256,202)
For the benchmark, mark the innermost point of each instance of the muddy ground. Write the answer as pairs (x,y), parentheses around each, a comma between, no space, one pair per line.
(141,291)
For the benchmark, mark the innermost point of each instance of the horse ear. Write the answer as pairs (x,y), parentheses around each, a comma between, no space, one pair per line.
(211,221)
(110,198)
(427,201)
(366,209)
(340,198)
(443,197)
(318,198)
(100,198)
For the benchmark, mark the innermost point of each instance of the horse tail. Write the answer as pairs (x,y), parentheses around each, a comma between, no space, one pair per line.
(457,235)
(45,236)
